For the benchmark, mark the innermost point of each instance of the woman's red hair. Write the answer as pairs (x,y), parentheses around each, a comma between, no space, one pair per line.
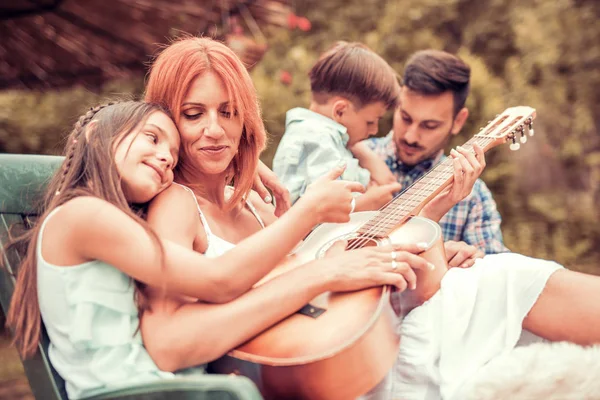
(173,72)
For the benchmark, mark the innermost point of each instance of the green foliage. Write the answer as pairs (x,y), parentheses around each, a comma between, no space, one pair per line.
(531,52)
(36,122)
(528,52)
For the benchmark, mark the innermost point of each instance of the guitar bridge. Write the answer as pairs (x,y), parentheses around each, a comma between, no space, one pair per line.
(311,311)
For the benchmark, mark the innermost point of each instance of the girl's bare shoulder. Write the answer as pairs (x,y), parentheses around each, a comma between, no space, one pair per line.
(82,209)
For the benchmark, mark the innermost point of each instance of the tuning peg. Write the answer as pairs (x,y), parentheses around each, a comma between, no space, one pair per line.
(514,145)
(520,130)
(530,128)
(523,138)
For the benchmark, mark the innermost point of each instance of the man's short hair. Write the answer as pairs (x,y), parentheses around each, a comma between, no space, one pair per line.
(433,72)
(354,71)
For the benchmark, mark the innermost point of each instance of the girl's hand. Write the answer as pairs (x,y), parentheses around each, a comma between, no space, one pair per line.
(467,168)
(374,266)
(461,254)
(330,199)
(265,178)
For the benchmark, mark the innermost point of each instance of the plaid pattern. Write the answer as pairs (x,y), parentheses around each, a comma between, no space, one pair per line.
(475,220)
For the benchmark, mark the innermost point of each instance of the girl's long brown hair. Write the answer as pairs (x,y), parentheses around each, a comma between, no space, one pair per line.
(88,170)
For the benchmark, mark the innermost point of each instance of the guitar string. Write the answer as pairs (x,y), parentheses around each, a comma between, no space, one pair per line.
(404,207)
(400,208)
(484,136)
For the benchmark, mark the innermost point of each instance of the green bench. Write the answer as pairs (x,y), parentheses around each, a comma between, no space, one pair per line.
(22,179)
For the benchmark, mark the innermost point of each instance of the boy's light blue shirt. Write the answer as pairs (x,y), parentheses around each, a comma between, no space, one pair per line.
(311,146)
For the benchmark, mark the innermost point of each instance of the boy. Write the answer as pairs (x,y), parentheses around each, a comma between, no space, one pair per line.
(352,88)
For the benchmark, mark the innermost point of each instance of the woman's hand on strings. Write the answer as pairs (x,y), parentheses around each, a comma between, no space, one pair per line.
(373,266)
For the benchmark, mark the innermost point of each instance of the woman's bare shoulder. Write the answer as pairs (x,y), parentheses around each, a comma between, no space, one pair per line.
(175,197)
(173,213)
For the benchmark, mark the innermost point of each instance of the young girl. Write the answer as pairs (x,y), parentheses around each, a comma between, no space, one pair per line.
(91,245)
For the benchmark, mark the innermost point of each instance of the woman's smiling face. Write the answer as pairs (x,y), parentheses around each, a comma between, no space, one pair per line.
(210,128)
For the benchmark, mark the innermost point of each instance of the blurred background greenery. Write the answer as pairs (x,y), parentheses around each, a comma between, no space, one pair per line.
(544,54)
(528,52)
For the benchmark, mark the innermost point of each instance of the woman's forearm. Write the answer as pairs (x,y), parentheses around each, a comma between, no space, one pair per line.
(257,255)
(197,333)
(224,278)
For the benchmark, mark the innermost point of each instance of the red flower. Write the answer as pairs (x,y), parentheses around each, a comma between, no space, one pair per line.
(303,24)
(285,77)
(292,21)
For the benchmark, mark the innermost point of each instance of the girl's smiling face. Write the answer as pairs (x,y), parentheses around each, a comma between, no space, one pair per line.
(145,158)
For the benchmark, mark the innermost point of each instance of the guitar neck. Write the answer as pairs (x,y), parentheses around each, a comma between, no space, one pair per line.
(411,200)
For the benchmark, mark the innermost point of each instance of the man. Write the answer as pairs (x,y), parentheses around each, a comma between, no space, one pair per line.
(431,110)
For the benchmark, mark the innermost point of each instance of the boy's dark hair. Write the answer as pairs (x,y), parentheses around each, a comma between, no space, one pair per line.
(354,71)
(432,72)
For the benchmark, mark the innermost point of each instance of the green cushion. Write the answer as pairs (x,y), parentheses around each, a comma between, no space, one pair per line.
(203,387)
(23,178)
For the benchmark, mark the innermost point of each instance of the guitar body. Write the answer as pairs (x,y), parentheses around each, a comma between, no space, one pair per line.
(342,345)
(347,349)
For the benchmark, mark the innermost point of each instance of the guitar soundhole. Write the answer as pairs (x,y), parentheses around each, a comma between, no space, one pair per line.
(360,242)
(354,242)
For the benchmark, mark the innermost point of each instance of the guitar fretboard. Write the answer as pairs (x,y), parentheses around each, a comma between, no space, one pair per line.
(410,199)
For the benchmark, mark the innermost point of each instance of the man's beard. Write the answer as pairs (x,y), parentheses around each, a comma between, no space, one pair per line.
(420,149)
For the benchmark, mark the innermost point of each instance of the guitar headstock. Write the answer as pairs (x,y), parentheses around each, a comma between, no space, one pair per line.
(514,124)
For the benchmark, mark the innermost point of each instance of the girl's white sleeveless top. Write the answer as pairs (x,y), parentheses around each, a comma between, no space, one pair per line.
(92,322)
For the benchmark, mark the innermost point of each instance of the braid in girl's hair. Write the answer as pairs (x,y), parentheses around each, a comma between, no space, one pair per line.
(89,169)
(75,138)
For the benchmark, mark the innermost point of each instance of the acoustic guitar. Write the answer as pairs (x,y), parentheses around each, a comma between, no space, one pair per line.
(341,345)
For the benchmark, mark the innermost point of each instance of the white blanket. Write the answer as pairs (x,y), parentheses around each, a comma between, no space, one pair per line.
(476,316)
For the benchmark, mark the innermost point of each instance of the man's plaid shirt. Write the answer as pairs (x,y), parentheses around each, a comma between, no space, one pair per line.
(475,220)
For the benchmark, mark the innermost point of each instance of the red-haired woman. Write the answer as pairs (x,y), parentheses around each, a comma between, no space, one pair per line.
(211,208)
(215,108)
(179,80)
